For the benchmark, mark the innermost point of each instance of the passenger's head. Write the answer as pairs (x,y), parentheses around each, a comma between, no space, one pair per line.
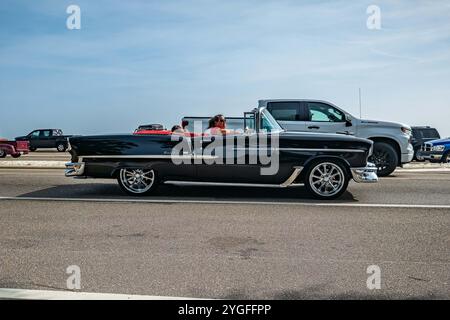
(184,123)
(177,129)
(218,121)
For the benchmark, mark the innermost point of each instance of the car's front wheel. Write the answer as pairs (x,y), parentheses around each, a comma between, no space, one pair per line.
(2,153)
(446,158)
(385,158)
(137,182)
(326,179)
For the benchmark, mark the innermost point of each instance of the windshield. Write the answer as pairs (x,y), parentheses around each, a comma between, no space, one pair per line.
(268,123)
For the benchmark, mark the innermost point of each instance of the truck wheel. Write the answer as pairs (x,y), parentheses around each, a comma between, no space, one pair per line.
(326,179)
(2,153)
(61,147)
(385,158)
(137,182)
(32,149)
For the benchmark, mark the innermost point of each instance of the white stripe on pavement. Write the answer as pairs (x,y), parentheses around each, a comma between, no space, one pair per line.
(6,293)
(311,204)
(430,170)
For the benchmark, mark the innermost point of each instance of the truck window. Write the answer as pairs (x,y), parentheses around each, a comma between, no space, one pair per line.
(321,112)
(430,134)
(46,133)
(35,134)
(286,111)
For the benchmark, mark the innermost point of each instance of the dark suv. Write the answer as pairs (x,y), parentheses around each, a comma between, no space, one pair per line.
(420,135)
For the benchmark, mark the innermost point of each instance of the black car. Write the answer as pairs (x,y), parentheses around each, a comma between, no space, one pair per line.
(46,138)
(420,135)
(263,155)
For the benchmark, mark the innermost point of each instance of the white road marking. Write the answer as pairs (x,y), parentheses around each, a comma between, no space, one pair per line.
(307,204)
(6,293)
(430,170)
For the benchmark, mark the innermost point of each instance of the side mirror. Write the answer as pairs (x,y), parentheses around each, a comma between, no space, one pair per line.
(348,121)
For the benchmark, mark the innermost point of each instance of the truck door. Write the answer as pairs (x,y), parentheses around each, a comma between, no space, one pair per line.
(45,139)
(33,139)
(291,115)
(325,118)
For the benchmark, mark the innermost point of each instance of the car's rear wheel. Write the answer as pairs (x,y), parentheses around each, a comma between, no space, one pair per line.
(2,153)
(385,158)
(15,155)
(137,182)
(61,147)
(326,179)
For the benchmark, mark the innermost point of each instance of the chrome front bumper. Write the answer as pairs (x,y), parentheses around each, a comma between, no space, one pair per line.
(74,169)
(365,175)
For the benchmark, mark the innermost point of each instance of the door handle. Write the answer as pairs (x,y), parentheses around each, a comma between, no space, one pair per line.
(313,127)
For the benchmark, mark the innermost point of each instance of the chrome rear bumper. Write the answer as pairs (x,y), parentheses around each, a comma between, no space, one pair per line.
(365,175)
(74,169)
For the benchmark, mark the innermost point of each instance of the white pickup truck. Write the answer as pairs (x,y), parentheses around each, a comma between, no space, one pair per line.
(392,141)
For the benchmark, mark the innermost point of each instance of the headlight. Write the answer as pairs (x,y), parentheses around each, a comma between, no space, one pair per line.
(406,130)
(438,148)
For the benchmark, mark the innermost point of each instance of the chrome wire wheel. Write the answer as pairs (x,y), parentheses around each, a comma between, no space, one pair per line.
(327,179)
(137,181)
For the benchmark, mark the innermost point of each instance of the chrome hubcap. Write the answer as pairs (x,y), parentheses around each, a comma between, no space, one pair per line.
(326,179)
(137,180)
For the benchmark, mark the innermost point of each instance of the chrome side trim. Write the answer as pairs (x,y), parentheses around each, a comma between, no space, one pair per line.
(291,179)
(287,183)
(168,156)
(322,149)
(74,169)
(300,149)
(230,184)
(150,156)
(365,175)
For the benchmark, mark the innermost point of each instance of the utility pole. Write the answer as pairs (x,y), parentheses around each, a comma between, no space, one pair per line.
(360,109)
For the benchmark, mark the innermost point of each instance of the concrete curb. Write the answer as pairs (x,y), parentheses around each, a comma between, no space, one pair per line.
(33,164)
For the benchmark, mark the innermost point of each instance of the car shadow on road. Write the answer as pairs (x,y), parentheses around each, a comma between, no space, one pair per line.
(183,192)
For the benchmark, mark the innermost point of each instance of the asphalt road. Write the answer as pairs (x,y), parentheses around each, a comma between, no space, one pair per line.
(232,243)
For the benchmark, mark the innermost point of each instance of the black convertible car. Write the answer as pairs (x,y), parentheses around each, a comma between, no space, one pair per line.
(262,154)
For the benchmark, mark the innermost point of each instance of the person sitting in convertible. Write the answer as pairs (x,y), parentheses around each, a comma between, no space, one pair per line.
(177,129)
(217,126)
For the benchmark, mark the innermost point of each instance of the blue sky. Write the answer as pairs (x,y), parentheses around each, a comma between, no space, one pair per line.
(136,62)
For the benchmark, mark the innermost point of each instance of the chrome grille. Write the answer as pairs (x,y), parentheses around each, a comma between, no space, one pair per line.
(427,147)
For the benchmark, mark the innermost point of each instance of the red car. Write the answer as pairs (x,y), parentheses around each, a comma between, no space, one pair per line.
(13,148)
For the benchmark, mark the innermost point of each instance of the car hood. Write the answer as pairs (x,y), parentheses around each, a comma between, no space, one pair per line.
(21,138)
(439,141)
(387,124)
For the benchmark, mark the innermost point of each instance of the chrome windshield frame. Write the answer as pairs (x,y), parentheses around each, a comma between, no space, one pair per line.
(262,111)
